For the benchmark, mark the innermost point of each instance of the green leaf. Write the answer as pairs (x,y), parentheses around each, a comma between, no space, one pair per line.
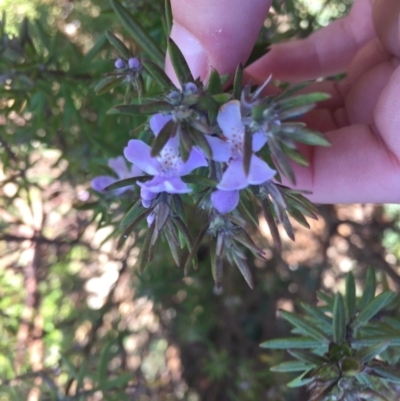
(307,136)
(390,374)
(305,326)
(158,74)
(162,138)
(95,50)
(369,289)
(107,83)
(131,215)
(185,142)
(121,184)
(288,227)
(295,113)
(200,140)
(222,98)
(326,298)
(307,356)
(138,33)
(299,381)
(301,100)
(238,82)
(319,316)
(350,296)
(146,249)
(291,366)
(244,269)
(156,107)
(119,45)
(247,151)
(200,180)
(375,306)
(339,320)
(298,216)
(179,63)
(273,228)
(214,85)
(370,341)
(281,160)
(140,216)
(292,90)
(168,16)
(367,354)
(192,258)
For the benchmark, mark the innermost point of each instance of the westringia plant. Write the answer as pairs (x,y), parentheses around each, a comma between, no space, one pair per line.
(217,149)
(345,348)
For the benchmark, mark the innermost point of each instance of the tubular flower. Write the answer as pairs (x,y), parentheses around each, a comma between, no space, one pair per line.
(167,167)
(235,178)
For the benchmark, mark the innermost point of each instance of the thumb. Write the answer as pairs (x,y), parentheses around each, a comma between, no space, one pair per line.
(216,34)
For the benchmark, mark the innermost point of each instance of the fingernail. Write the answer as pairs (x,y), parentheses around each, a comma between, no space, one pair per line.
(193,51)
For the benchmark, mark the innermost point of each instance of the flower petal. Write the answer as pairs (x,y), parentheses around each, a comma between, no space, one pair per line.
(158,121)
(221,150)
(225,201)
(196,160)
(146,196)
(171,185)
(139,153)
(135,171)
(234,176)
(230,120)
(259,171)
(119,166)
(102,181)
(259,140)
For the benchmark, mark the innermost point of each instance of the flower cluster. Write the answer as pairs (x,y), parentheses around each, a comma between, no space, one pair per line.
(223,149)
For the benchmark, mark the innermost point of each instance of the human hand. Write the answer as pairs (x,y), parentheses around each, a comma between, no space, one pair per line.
(361,120)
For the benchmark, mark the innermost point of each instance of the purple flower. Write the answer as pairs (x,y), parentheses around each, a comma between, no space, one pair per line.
(167,167)
(226,198)
(122,171)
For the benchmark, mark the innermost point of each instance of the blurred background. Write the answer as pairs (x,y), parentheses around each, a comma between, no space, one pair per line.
(77,321)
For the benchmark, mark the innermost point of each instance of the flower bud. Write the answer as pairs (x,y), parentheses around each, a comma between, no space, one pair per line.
(134,63)
(190,88)
(120,64)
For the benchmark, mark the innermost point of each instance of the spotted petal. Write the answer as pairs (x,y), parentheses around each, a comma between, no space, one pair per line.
(221,150)
(171,185)
(139,153)
(158,121)
(230,120)
(225,201)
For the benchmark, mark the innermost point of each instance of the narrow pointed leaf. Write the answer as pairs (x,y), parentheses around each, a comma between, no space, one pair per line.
(216,266)
(172,246)
(146,249)
(390,374)
(375,306)
(292,366)
(305,326)
(137,32)
(292,90)
(238,82)
(197,242)
(295,113)
(200,180)
(168,16)
(162,213)
(121,184)
(273,228)
(156,107)
(131,215)
(339,320)
(299,381)
(291,343)
(281,161)
(369,289)
(301,100)
(288,226)
(318,315)
(130,109)
(107,83)
(297,215)
(199,139)
(214,85)
(308,137)
(162,138)
(119,45)
(326,298)
(179,63)
(367,354)
(140,217)
(350,297)
(307,356)
(158,74)
(244,269)
(247,151)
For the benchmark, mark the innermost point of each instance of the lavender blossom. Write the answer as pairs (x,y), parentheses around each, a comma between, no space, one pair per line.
(119,166)
(119,64)
(134,63)
(167,167)
(235,178)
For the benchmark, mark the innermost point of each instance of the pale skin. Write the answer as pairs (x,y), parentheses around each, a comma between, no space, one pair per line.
(362,118)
